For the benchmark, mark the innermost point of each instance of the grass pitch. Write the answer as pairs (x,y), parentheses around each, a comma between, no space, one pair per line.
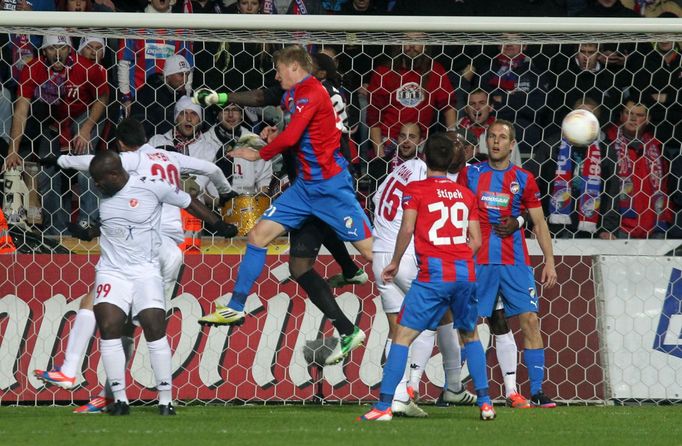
(335,425)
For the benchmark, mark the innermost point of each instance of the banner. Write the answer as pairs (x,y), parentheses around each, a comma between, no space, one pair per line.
(642,326)
(262,359)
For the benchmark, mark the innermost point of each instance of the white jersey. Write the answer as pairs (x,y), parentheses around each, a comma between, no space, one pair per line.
(388,209)
(130,235)
(158,163)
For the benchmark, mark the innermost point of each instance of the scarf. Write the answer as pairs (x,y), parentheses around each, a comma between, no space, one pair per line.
(506,79)
(643,201)
(589,186)
(476,129)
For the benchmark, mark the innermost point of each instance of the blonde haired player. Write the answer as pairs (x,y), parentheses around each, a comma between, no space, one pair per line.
(142,159)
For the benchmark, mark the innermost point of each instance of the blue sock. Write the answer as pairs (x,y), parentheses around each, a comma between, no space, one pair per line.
(478,370)
(534,358)
(394,369)
(249,270)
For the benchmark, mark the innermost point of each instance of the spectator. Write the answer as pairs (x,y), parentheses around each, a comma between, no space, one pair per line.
(138,60)
(578,184)
(478,117)
(517,91)
(246,177)
(69,93)
(641,170)
(411,87)
(154,105)
(359,7)
(606,8)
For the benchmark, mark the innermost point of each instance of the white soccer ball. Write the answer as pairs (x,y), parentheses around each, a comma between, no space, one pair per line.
(580,127)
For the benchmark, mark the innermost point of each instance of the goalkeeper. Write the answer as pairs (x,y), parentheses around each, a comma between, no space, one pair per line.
(305,241)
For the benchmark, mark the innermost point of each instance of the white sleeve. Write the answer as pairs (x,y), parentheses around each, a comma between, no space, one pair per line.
(79,162)
(169,194)
(130,161)
(264,175)
(195,166)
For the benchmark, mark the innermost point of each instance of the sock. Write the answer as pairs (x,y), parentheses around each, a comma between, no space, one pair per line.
(420,353)
(338,250)
(448,344)
(249,270)
(394,369)
(160,357)
(507,357)
(79,338)
(535,363)
(321,295)
(114,360)
(128,348)
(478,370)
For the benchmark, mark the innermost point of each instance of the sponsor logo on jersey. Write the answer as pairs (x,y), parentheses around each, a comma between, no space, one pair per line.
(133,202)
(495,200)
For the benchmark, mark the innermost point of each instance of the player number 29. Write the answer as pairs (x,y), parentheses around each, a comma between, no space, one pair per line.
(458,214)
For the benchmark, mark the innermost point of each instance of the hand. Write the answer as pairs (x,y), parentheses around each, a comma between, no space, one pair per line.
(246,153)
(223,229)
(205,97)
(506,227)
(13,160)
(81,142)
(606,236)
(612,58)
(548,278)
(49,161)
(224,198)
(269,133)
(389,272)
(81,233)
(23,5)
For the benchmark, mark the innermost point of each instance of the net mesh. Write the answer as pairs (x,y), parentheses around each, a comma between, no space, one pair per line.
(587,324)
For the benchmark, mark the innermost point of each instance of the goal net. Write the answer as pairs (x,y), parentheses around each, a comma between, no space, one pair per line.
(611,327)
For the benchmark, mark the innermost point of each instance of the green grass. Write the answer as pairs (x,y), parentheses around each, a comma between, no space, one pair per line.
(314,425)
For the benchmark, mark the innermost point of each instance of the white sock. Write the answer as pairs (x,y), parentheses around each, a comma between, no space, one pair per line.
(508,358)
(128,348)
(79,338)
(420,353)
(448,344)
(160,357)
(114,360)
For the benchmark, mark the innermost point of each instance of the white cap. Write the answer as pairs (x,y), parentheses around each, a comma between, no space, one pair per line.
(185,103)
(56,41)
(175,64)
(87,39)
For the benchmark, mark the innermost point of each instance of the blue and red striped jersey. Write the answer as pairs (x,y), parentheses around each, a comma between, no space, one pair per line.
(501,193)
(312,130)
(148,57)
(444,209)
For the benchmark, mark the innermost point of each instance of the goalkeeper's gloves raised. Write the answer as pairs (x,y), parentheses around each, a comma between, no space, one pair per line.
(81,233)
(224,198)
(223,229)
(206,98)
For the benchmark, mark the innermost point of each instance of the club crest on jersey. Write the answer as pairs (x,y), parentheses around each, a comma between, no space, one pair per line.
(133,202)
(348,222)
(495,200)
(514,187)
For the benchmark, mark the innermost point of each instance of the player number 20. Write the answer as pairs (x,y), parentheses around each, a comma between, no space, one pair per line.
(458,214)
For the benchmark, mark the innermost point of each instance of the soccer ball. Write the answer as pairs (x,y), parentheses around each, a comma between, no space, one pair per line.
(580,127)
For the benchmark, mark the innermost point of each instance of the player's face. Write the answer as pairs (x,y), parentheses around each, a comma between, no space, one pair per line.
(477,108)
(56,56)
(287,74)
(231,117)
(499,142)
(469,152)
(587,56)
(408,139)
(248,6)
(635,118)
(176,80)
(93,51)
(187,123)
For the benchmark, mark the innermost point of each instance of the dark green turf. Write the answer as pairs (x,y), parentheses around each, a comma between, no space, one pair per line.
(335,425)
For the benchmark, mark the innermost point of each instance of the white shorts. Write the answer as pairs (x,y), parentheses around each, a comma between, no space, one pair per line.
(392,294)
(131,293)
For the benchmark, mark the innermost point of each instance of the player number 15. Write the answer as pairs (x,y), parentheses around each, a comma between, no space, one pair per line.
(458,214)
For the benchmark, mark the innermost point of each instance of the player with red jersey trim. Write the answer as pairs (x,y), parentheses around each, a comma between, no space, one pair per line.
(502,264)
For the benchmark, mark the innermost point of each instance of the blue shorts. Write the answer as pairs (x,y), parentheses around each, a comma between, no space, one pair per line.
(426,302)
(332,201)
(515,285)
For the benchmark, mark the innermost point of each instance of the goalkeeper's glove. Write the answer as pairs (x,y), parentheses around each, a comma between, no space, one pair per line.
(81,233)
(223,229)
(224,198)
(49,161)
(206,98)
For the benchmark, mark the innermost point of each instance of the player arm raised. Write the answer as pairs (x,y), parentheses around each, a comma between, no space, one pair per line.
(537,216)
(195,166)
(402,242)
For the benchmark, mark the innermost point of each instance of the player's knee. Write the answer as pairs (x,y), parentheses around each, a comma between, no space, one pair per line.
(87,303)
(109,329)
(299,266)
(530,323)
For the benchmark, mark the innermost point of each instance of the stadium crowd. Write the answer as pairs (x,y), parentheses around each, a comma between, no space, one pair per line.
(63,94)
